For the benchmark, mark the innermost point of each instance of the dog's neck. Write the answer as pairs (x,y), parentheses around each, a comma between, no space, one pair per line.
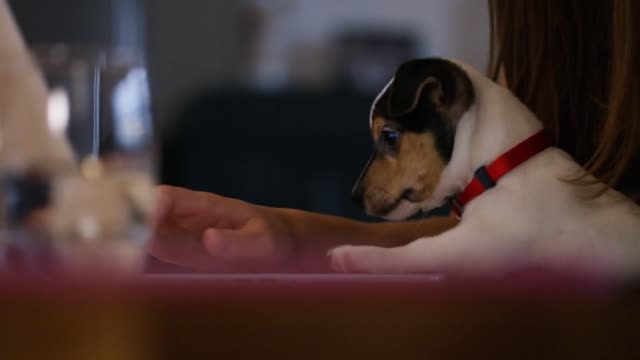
(495,123)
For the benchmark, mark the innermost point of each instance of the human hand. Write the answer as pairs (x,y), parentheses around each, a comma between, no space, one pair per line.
(213,233)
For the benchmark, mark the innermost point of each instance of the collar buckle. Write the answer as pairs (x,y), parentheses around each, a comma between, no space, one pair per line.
(485,179)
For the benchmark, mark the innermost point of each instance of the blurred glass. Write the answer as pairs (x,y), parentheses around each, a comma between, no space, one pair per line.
(76,158)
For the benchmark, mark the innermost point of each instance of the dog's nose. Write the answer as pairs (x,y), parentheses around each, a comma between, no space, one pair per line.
(357,194)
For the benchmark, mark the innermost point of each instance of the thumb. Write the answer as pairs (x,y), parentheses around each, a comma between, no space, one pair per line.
(237,244)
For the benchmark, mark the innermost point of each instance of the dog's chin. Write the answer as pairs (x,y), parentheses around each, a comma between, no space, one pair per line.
(404,210)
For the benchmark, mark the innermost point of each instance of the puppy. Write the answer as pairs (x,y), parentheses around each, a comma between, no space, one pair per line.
(435,127)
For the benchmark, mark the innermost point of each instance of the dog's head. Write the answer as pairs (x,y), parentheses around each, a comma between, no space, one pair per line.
(413,125)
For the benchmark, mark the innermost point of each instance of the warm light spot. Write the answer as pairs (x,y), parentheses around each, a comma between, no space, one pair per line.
(91,168)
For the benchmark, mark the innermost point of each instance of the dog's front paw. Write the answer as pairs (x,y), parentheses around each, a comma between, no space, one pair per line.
(364,259)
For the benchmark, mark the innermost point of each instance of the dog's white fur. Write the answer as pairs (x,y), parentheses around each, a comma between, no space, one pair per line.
(531,218)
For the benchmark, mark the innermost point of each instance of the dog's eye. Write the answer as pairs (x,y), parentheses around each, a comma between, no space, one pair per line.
(389,137)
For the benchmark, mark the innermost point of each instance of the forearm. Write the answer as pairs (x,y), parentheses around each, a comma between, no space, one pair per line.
(315,232)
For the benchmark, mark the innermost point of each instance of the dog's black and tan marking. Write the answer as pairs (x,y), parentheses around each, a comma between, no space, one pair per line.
(413,127)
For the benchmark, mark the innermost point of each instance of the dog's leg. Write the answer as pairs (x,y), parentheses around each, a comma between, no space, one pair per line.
(463,248)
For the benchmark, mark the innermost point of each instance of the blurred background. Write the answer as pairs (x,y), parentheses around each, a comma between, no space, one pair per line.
(266,101)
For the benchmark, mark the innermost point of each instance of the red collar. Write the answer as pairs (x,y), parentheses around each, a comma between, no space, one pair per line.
(487,176)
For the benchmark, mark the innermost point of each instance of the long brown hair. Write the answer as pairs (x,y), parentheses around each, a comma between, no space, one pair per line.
(576,65)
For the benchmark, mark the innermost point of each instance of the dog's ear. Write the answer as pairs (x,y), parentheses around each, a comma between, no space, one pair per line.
(441,83)
(407,92)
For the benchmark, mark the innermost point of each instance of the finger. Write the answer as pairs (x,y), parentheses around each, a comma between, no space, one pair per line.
(172,200)
(243,244)
(163,205)
(195,209)
(372,259)
(175,202)
(171,244)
